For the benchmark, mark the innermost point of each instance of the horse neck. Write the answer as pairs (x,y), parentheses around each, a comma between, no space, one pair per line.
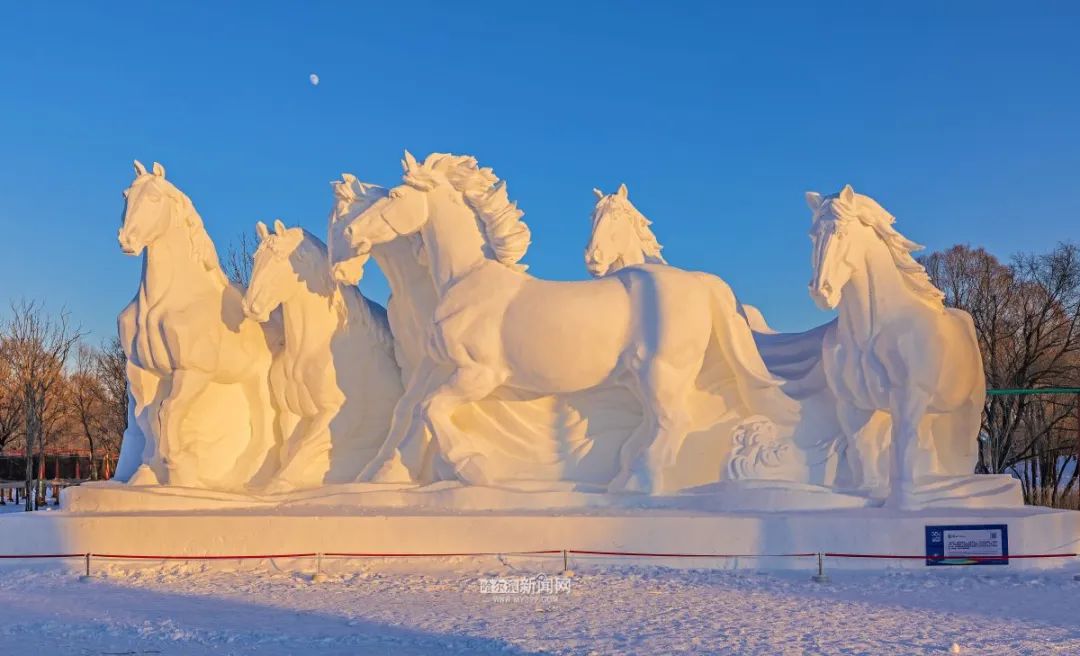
(170,259)
(875,294)
(453,242)
(305,315)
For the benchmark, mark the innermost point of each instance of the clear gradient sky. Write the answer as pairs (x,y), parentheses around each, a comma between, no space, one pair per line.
(962,118)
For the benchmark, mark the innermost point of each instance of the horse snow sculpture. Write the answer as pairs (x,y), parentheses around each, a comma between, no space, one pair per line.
(412,297)
(646,327)
(185,335)
(336,381)
(621,237)
(896,354)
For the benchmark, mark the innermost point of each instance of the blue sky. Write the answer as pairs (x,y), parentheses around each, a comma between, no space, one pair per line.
(961,118)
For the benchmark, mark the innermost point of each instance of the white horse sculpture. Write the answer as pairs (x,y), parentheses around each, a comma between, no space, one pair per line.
(646,327)
(896,353)
(621,237)
(184,332)
(336,382)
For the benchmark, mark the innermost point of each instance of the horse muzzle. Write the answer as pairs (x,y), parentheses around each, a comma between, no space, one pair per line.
(824,296)
(251,312)
(127,247)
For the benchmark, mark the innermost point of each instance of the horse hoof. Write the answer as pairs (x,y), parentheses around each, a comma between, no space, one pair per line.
(279,486)
(636,481)
(392,471)
(473,470)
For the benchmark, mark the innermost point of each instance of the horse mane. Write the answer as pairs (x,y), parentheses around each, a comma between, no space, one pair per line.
(650,246)
(874,216)
(506,234)
(345,301)
(202,247)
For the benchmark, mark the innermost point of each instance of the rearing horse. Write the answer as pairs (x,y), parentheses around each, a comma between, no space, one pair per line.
(895,355)
(646,327)
(186,329)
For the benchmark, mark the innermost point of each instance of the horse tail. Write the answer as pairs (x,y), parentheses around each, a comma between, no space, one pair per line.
(740,352)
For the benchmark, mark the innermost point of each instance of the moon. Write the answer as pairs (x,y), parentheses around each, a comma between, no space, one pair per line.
(314,80)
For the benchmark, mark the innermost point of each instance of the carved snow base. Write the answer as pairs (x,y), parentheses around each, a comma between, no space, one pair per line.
(343,528)
(725,496)
(975,491)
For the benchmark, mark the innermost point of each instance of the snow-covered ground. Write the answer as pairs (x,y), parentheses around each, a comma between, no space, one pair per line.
(384,608)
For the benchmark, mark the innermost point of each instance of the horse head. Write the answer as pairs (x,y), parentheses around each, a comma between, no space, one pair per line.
(149,204)
(278,272)
(835,234)
(351,198)
(620,235)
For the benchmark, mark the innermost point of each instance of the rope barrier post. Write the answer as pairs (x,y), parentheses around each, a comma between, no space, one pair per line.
(566,571)
(821,576)
(87,576)
(318,576)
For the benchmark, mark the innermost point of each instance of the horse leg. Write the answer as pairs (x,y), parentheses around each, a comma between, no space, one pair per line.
(635,443)
(461,386)
(259,457)
(865,432)
(908,451)
(388,465)
(309,452)
(180,464)
(665,388)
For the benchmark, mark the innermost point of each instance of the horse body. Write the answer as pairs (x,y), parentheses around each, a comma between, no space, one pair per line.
(906,371)
(184,331)
(494,326)
(336,381)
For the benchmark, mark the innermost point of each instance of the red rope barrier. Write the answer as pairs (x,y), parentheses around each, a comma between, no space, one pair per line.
(925,557)
(541,552)
(251,557)
(646,554)
(31,556)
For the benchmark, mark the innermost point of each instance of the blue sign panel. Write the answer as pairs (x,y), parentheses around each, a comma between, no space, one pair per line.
(969,544)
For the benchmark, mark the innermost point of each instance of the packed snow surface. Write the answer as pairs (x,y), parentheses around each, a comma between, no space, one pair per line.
(439,608)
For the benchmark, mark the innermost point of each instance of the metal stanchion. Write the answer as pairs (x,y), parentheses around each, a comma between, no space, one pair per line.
(87,576)
(318,576)
(820,577)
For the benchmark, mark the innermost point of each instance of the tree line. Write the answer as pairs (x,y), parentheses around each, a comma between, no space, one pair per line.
(1027,319)
(58,390)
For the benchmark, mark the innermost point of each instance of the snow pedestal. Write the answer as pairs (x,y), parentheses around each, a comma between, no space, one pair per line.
(371,520)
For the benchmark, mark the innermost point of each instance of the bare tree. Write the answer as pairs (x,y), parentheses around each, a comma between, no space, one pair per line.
(87,400)
(37,350)
(1027,321)
(111,367)
(238,261)
(11,412)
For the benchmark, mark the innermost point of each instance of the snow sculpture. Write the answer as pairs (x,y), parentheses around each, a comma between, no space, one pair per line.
(197,367)
(336,381)
(896,356)
(760,454)
(621,237)
(496,326)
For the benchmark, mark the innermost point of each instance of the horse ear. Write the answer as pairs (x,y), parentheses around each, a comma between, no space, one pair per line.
(599,194)
(139,168)
(623,191)
(813,200)
(279,227)
(847,194)
(159,170)
(261,231)
(409,163)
